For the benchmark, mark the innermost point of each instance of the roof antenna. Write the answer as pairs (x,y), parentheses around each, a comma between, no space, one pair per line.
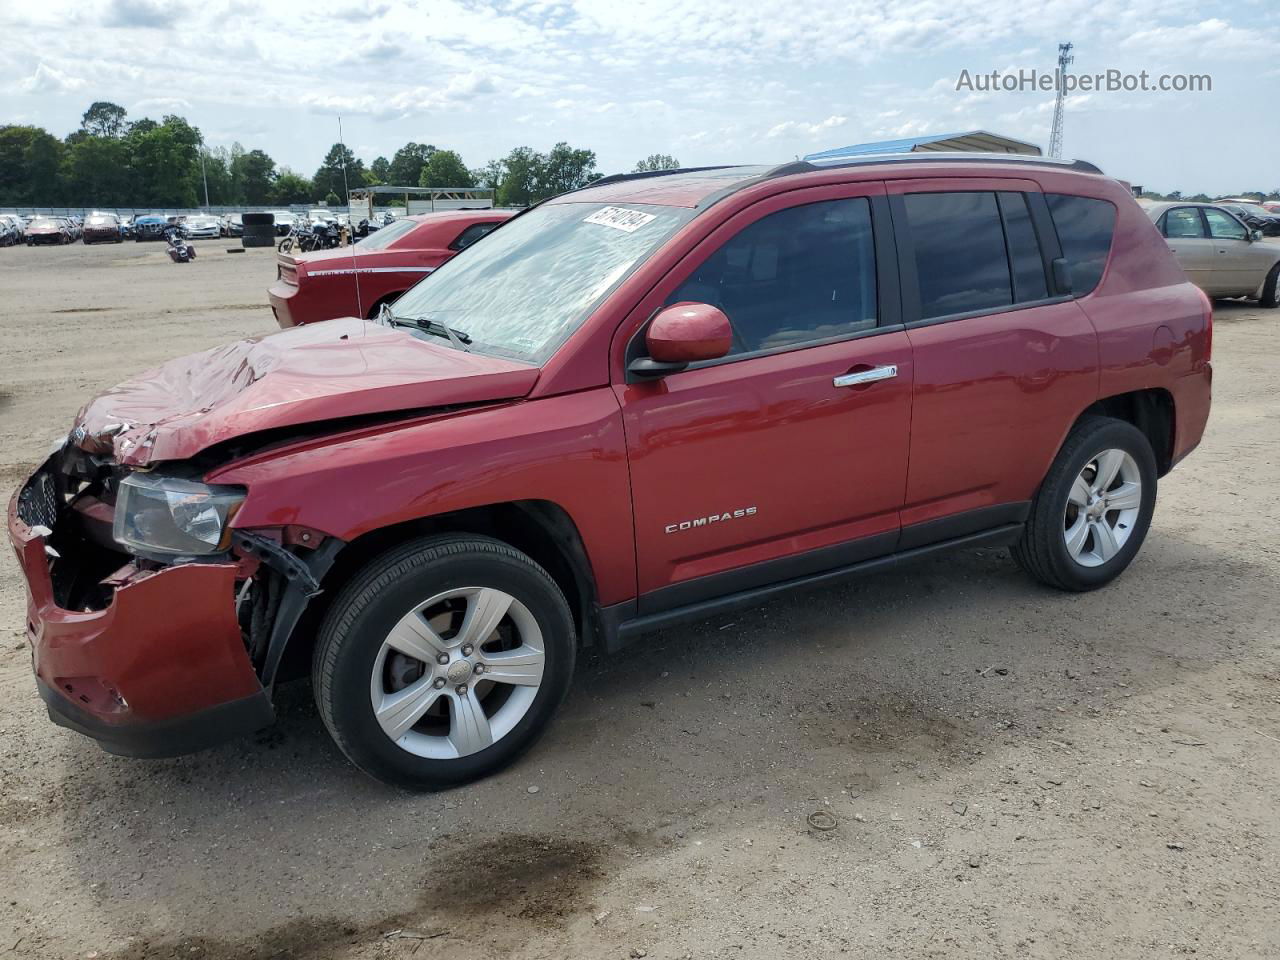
(351,233)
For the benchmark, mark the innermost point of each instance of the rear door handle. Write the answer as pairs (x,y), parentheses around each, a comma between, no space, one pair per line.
(866,376)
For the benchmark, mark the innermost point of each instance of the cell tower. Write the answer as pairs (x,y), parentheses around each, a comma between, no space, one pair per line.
(1065,59)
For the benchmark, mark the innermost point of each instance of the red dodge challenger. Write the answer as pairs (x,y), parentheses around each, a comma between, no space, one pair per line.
(356,281)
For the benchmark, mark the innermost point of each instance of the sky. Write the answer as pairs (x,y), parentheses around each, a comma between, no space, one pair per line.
(709,81)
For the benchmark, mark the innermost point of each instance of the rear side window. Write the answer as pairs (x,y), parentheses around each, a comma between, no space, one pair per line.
(1025,263)
(470,235)
(961,262)
(1084,228)
(1183,222)
(796,276)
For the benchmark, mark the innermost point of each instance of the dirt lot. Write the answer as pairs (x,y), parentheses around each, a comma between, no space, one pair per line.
(1012,772)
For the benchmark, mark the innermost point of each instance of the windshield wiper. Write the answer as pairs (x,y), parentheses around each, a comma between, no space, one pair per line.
(437,328)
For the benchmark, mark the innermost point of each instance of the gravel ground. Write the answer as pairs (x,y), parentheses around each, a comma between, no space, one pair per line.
(1007,771)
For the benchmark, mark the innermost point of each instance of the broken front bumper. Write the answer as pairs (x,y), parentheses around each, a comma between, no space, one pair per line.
(161,669)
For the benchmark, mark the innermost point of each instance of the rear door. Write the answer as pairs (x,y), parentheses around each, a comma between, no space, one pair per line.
(1003,362)
(773,463)
(1185,232)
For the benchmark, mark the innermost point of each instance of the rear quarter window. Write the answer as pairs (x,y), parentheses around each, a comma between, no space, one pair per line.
(1085,227)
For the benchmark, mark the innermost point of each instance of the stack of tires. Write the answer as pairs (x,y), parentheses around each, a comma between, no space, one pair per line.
(259,229)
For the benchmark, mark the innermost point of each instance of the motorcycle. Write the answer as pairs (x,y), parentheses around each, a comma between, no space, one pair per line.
(179,250)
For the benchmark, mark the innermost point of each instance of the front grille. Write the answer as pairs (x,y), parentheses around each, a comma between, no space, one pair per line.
(38,501)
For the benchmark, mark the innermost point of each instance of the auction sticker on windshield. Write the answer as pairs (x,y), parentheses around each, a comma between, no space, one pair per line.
(620,218)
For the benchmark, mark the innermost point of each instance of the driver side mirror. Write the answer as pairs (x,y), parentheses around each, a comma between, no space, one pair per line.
(1255,235)
(681,334)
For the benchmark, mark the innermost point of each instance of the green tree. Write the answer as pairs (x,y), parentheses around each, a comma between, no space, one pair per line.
(217,173)
(379,170)
(253,174)
(516,177)
(657,161)
(445,169)
(405,169)
(29,162)
(165,163)
(290,187)
(104,119)
(331,178)
(566,169)
(95,172)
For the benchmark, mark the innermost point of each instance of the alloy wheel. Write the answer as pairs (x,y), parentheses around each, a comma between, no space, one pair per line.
(457,673)
(1102,508)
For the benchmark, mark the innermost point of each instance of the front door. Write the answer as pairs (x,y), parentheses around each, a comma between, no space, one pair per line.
(1240,264)
(773,462)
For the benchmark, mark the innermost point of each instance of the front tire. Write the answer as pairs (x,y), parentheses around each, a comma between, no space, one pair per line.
(443,661)
(1092,512)
(1270,295)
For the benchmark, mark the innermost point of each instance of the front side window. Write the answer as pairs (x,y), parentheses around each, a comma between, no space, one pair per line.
(1084,228)
(799,275)
(524,290)
(1222,226)
(961,261)
(1183,223)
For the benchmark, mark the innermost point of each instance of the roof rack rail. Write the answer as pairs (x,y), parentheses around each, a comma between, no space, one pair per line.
(929,156)
(644,175)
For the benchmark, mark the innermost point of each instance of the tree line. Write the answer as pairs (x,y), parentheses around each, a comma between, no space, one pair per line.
(112,161)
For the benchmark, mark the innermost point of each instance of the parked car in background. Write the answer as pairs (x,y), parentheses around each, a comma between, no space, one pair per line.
(1272,206)
(45,230)
(12,229)
(284,222)
(150,226)
(126,227)
(233,225)
(1254,215)
(102,228)
(1220,254)
(77,226)
(201,226)
(322,285)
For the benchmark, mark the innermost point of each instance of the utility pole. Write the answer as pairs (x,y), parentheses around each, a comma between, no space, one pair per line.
(204,176)
(1065,59)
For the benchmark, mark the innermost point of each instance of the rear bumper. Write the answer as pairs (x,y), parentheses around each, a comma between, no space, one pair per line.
(161,668)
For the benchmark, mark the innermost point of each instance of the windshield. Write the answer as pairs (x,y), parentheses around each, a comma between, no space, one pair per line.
(387,235)
(531,283)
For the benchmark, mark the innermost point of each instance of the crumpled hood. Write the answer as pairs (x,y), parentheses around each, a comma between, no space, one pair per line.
(321,371)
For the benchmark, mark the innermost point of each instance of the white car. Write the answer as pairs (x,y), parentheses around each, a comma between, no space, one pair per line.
(284,221)
(200,226)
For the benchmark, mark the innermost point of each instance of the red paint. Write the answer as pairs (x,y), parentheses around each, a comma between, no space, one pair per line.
(689,332)
(322,285)
(974,416)
(168,643)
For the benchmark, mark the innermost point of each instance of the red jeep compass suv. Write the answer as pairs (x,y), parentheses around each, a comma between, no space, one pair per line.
(650,399)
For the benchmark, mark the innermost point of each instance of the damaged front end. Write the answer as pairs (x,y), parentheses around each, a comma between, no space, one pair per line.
(156,627)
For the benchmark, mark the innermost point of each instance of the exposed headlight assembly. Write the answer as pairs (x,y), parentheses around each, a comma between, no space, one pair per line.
(161,517)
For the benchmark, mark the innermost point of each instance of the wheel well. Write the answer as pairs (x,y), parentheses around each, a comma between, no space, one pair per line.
(539,528)
(1152,412)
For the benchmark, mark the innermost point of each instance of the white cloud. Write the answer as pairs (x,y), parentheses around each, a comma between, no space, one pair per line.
(47,79)
(794,128)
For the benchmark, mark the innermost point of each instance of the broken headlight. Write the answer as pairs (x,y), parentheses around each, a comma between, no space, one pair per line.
(170,517)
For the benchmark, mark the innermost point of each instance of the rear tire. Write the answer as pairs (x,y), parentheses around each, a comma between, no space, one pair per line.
(504,631)
(1092,512)
(1270,296)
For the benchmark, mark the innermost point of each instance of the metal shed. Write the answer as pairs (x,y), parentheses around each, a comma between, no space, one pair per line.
(979,141)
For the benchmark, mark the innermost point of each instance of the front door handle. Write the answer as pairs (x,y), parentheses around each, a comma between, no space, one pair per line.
(866,376)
